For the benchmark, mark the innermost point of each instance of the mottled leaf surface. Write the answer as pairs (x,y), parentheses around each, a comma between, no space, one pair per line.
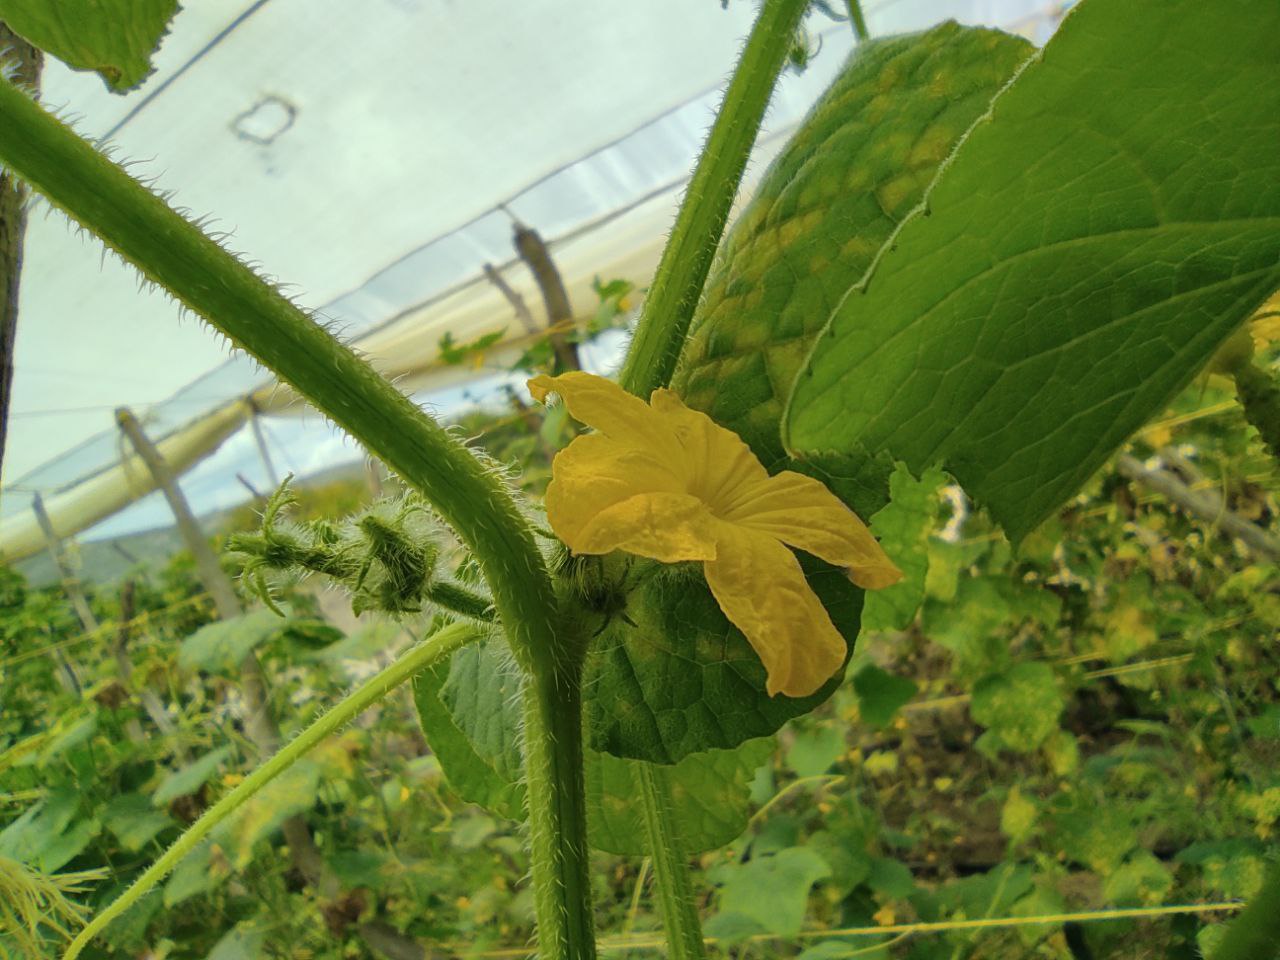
(1088,247)
(856,167)
(680,678)
(114,38)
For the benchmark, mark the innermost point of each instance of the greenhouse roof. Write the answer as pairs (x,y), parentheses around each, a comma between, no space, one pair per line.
(376,157)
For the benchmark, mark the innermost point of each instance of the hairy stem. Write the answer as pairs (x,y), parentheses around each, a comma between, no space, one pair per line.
(557,815)
(174,253)
(858,20)
(677,286)
(439,645)
(670,865)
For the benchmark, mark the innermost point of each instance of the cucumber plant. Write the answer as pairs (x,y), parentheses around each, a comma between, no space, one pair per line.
(973,257)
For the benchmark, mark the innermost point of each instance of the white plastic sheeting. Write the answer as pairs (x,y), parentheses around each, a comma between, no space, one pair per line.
(375,155)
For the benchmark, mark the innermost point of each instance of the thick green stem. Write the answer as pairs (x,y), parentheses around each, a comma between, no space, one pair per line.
(858,20)
(176,254)
(670,865)
(677,286)
(439,645)
(558,816)
(1255,934)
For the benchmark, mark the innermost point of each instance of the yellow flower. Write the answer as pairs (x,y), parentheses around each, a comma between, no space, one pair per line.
(663,481)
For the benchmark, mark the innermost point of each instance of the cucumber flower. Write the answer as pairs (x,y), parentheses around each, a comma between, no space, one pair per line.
(660,480)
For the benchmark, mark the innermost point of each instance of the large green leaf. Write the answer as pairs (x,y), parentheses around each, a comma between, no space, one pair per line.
(115,38)
(1078,260)
(854,169)
(483,694)
(49,834)
(679,678)
(471,767)
(710,793)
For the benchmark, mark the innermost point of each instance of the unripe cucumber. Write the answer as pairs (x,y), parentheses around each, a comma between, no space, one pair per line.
(858,164)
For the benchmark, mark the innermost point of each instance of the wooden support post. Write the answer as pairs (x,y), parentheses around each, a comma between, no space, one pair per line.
(260,724)
(534,252)
(124,666)
(67,675)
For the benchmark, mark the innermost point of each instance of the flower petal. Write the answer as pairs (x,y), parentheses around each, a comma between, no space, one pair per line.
(720,465)
(595,473)
(761,588)
(668,527)
(604,405)
(800,511)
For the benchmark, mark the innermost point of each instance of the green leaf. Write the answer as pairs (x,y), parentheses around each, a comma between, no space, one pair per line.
(680,678)
(890,877)
(813,750)
(48,835)
(881,694)
(903,528)
(192,876)
(245,941)
(1096,837)
(483,696)
(133,820)
(478,777)
(114,38)
(190,778)
(1141,881)
(853,170)
(57,851)
(1078,260)
(1020,706)
(711,793)
(771,891)
(220,646)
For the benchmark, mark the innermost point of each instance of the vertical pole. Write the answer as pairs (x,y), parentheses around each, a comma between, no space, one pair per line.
(124,666)
(260,724)
(22,62)
(260,438)
(534,252)
(70,586)
(70,583)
